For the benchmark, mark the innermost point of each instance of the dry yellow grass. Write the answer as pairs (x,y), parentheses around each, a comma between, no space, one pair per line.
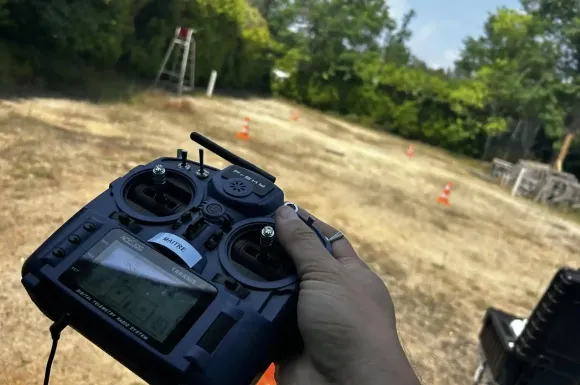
(443,265)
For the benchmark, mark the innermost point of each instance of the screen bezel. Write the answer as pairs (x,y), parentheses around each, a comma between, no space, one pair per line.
(205,297)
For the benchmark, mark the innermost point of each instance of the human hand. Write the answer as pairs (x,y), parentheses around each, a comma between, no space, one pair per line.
(345,314)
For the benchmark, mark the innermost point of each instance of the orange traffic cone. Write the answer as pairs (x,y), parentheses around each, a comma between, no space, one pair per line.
(294,115)
(244,133)
(268,377)
(444,197)
(411,151)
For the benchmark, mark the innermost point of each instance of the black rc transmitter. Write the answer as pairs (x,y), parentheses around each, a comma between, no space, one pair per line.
(175,271)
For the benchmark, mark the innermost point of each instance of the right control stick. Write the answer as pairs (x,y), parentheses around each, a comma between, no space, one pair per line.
(266,242)
(257,251)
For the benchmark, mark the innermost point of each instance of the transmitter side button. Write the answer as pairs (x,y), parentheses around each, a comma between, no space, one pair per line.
(90,227)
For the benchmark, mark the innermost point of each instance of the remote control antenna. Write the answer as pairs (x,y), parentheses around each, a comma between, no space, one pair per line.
(202,172)
(230,157)
(266,241)
(159,179)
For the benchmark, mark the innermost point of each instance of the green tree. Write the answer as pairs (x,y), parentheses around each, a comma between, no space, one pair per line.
(395,45)
(518,65)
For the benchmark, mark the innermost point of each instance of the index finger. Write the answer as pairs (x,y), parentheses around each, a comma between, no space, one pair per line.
(342,248)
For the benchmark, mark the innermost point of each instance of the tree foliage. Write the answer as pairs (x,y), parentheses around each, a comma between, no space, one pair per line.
(347,57)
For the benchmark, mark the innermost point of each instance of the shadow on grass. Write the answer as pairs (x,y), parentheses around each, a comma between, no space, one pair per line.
(112,90)
(108,89)
(87,84)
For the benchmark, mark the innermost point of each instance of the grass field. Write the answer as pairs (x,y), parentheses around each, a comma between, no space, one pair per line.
(443,265)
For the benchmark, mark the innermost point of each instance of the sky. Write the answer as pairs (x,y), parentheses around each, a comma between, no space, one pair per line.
(440,26)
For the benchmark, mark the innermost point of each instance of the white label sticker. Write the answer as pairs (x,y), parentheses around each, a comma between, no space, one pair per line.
(179,247)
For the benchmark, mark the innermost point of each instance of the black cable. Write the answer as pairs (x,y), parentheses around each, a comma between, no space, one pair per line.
(55,330)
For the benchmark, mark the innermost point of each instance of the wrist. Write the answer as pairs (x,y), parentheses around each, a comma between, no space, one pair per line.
(382,361)
(391,370)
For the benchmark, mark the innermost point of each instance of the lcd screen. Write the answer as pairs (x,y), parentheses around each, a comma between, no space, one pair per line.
(144,294)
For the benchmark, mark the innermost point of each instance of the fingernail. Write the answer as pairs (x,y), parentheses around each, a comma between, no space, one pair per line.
(286,213)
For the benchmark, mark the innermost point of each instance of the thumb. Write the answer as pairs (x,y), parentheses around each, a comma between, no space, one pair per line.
(302,244)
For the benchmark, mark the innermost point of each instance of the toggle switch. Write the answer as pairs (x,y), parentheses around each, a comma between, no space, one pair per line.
(183,158)
(182,154)
(202,173)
